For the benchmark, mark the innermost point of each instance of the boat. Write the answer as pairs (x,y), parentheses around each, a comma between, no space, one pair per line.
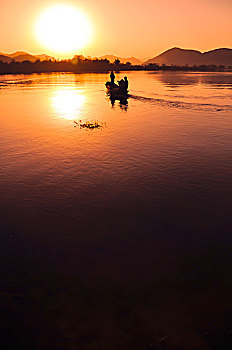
(115,91)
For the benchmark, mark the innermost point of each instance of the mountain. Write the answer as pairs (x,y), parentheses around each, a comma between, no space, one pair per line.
(219,57)
(44,57)
(15,54)
(25,57)
(5,58)
(112,58)
(181,57)
(20,56)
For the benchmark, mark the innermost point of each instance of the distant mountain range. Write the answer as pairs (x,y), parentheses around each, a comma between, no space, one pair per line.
(20,56)
(174,56)
(179,57)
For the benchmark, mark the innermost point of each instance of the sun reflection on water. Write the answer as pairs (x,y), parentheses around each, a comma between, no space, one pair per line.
(68,103)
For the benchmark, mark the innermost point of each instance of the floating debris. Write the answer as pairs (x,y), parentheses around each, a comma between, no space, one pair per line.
(88,124)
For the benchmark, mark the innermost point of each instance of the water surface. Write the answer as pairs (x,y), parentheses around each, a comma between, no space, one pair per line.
(139,207)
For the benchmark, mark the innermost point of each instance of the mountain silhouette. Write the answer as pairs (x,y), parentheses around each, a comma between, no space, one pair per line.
(5,58)
(112,58)
(20,56)
(25,57)
(17,53)
(175,56)
(181,57)
(44,57)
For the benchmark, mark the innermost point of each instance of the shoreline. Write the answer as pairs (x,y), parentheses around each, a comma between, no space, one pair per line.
(97,67)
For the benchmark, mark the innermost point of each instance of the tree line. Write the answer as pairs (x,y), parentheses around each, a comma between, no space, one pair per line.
(80,64)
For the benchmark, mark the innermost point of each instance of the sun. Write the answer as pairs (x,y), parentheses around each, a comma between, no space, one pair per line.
(63,29)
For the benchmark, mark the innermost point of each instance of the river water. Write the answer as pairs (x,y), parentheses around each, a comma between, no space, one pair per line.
(122,233)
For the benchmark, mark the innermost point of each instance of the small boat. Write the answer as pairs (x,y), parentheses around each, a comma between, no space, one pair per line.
(115,91)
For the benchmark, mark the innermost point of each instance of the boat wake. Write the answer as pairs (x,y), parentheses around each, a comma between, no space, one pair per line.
(183,105)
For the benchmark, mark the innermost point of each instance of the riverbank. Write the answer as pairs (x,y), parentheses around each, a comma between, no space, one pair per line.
(95,66)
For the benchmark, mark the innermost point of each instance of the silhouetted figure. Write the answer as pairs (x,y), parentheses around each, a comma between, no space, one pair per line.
(126,83)
(122,85)
(112,77)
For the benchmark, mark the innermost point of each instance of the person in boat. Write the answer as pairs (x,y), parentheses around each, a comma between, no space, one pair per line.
(121,84)
(112,77)
(126,83)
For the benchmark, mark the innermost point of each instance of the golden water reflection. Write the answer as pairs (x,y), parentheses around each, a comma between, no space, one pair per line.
(68,103)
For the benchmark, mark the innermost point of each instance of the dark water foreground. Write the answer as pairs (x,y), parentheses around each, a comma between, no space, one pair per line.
(115,295)
(118,238)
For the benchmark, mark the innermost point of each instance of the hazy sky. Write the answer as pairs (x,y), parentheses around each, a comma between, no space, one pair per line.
(141,28)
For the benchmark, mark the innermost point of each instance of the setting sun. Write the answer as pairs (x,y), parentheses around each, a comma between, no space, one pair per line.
(63,29)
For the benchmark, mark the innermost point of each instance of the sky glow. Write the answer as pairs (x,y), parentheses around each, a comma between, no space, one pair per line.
(125,28)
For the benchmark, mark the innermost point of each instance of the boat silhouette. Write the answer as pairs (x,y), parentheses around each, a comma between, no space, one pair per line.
(116,92)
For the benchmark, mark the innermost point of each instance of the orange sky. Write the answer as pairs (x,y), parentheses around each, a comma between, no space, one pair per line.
(126,28)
